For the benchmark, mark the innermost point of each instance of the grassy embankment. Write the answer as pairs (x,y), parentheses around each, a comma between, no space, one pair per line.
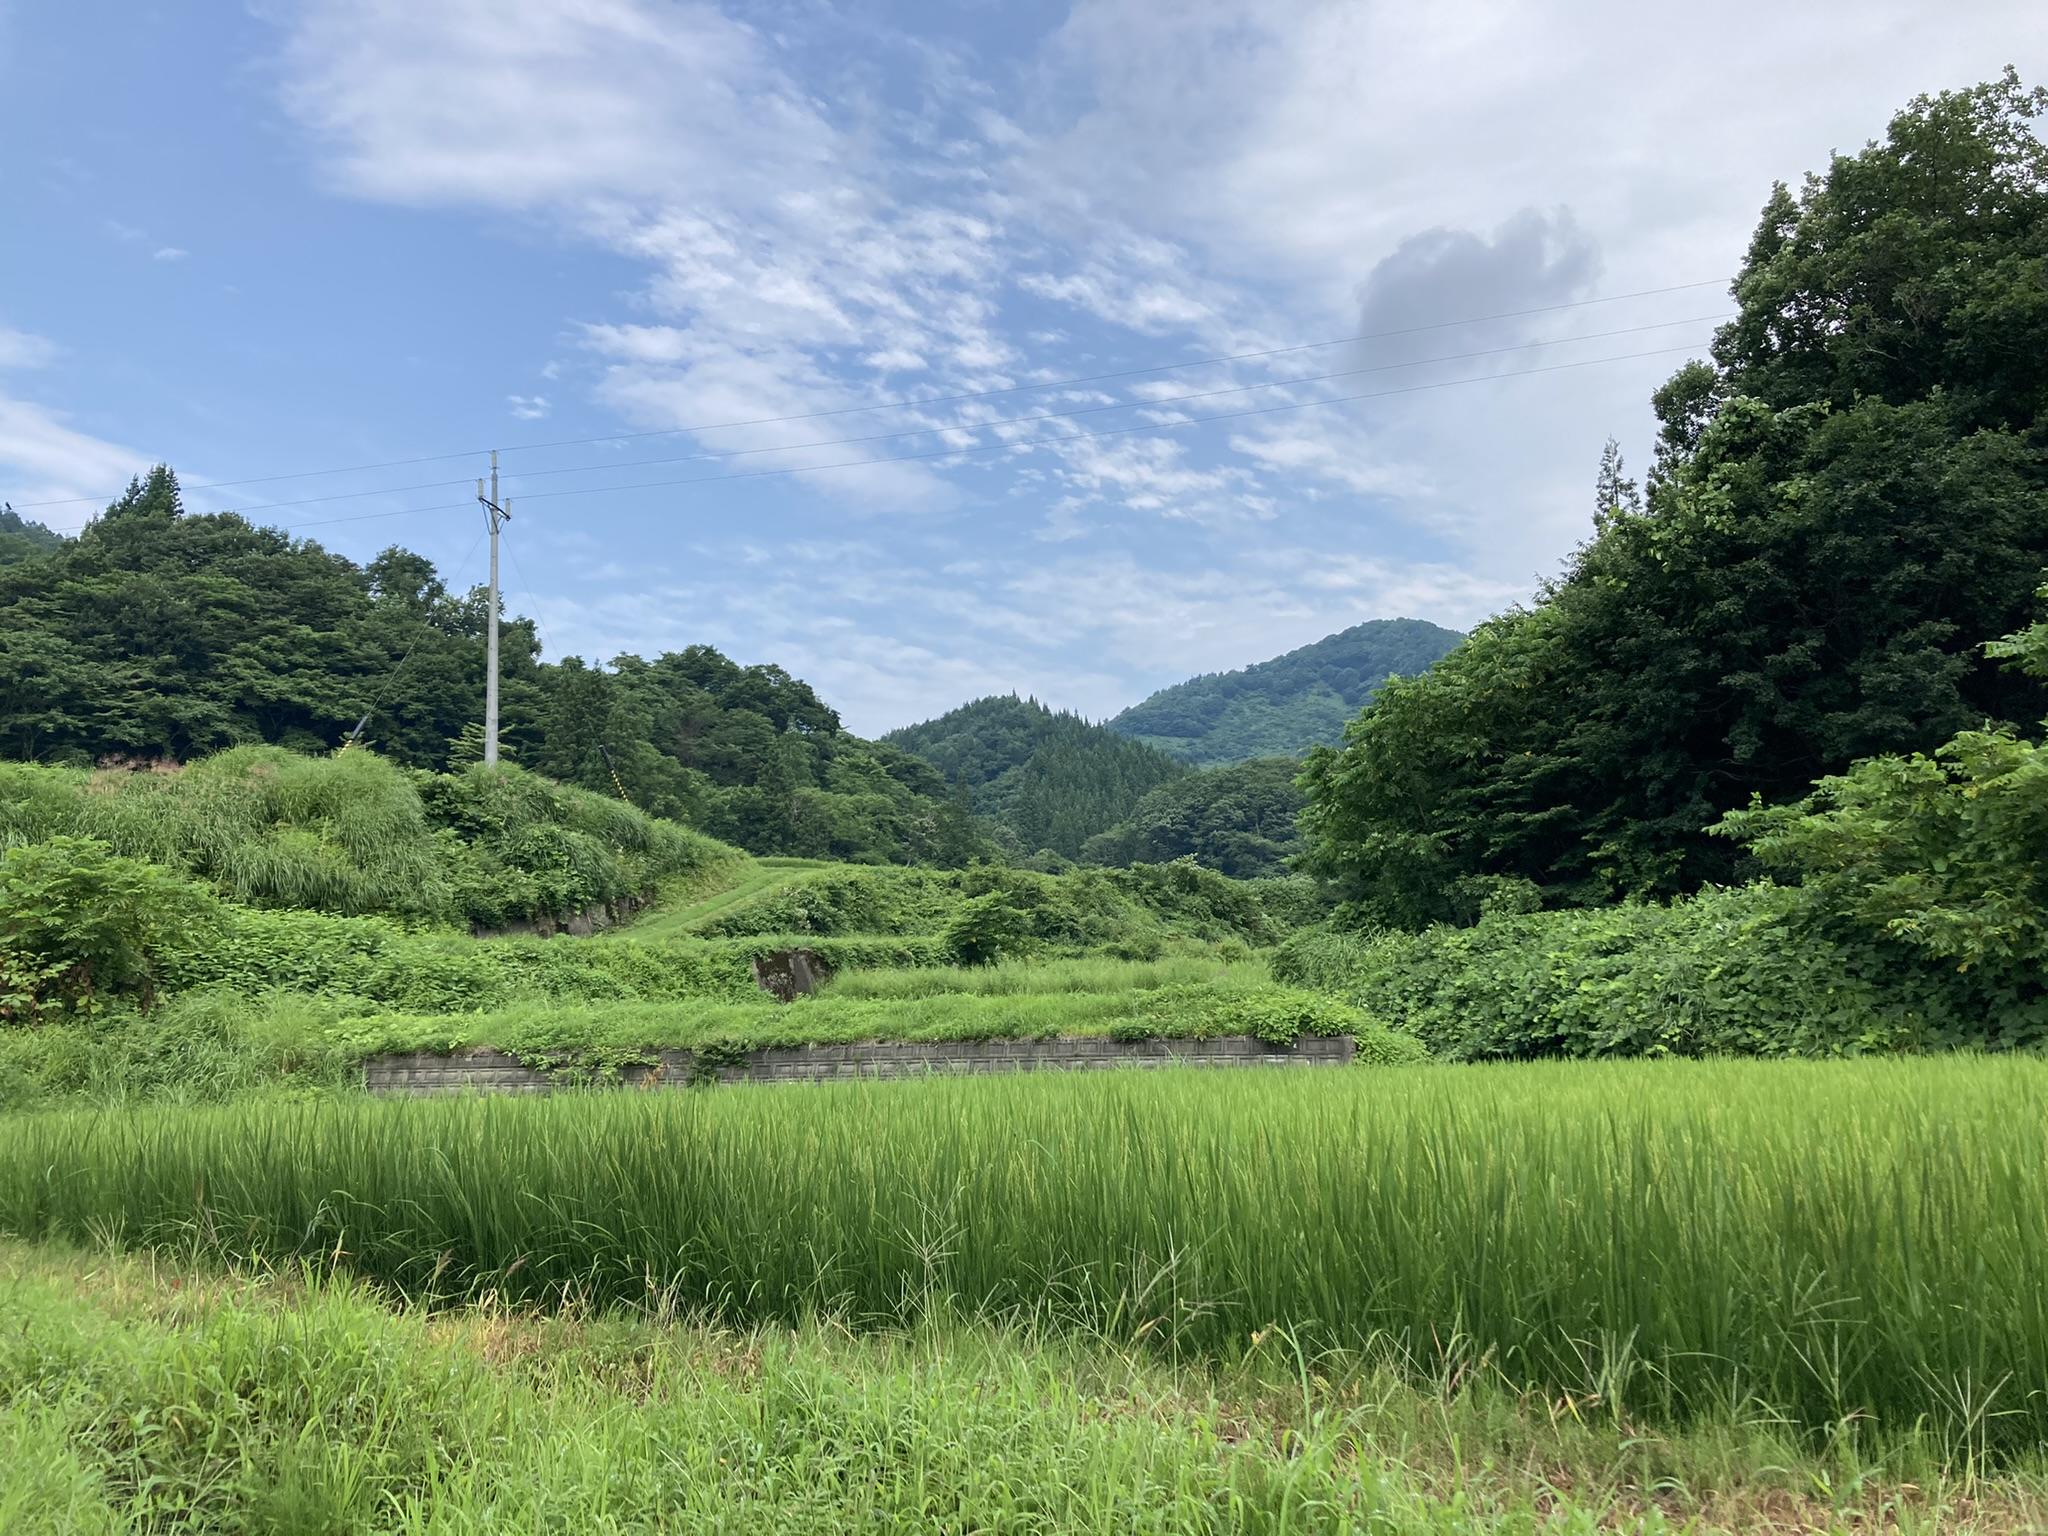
(1849,1248)
(138,1396)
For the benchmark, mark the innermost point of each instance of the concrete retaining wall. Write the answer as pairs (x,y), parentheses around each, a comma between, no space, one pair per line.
(488,1071)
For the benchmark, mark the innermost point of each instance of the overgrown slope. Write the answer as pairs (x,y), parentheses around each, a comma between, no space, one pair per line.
(355,834)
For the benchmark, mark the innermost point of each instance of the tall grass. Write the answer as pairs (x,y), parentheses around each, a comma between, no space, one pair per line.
(1091,973)
(354,834)
(136,1397)
(1827,1242)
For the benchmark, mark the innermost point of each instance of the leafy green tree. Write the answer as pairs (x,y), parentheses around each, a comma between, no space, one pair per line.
(1238,820)
(1944,854)
(1850,494)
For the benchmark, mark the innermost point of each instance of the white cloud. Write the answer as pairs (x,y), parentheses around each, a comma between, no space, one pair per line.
(18,349)
(169,253)
(527,407)
(46,459)
(1152,183)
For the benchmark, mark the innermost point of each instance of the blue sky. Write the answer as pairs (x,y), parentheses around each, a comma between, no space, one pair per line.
(258,241)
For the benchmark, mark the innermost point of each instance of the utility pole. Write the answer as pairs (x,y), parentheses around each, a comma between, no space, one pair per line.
(496,514)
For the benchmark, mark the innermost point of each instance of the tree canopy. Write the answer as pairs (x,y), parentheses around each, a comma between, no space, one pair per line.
(1843,502)
(1238,820)
(160,634)
(1047,780)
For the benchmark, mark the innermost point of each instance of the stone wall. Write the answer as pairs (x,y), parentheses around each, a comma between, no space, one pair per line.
(488,1071)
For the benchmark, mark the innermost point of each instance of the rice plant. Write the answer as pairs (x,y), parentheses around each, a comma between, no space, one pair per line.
(1833,1243)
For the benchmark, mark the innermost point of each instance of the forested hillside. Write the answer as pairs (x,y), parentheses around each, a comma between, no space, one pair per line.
(1238,819)
(1045,779)
(20,538)
(1846,503)
(156,634)
(1282,707)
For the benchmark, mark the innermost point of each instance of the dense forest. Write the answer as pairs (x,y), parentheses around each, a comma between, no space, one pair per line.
(1282,707)
(161,635)
(1845,505)
(1238,819)
(1044,780)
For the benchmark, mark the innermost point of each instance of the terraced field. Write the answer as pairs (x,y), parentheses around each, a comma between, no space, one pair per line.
(749,880)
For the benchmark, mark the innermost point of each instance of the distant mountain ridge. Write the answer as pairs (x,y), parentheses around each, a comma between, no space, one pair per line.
(1282,707)
(1046,778)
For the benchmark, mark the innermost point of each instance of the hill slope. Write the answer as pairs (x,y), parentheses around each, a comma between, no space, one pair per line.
(157,634)
(1282,707)
(1048,778)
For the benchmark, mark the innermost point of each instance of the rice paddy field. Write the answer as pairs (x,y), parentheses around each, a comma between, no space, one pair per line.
(1407,1296)
(1851,1248)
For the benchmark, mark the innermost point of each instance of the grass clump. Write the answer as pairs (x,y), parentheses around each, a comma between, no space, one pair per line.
(353,834)
(1846,1247)
(139,1397)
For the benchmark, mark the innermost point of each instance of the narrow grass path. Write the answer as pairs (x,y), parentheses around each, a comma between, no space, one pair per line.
(755,877)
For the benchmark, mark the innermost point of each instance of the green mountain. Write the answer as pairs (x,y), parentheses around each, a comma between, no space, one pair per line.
(1045,778)
(1282,707)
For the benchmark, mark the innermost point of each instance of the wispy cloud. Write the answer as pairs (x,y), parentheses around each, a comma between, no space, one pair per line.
(169,253)
(527,407)
(44,458)
(18,349)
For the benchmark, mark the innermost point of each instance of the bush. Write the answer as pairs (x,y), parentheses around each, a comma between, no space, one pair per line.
(985,929)
(1727,972)
(81,927)
(352,834)
(1276,1015)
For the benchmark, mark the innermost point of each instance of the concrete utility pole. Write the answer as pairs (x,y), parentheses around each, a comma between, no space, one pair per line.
(496,514)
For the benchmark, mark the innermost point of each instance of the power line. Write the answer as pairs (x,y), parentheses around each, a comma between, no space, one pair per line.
(904,401)
(998,421)
(1023,446)
(377,702)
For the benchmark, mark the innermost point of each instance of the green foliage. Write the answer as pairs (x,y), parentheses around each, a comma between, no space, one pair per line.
(201,1047)
(986,928)
(366,964)
(1814,1244)
(22,539)
(1276,1015)
(1238,820)
(157,634)
(1047,780)
(1945,855)
(1843,503)
(327,1409)
(1133,913)
(81,928)
(1737,972)
(1282,707)
(354,834)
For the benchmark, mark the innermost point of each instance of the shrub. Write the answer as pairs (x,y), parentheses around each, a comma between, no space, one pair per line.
(1726,972)
(1276,1015)
(352,834)
(80,927)
(985,929)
